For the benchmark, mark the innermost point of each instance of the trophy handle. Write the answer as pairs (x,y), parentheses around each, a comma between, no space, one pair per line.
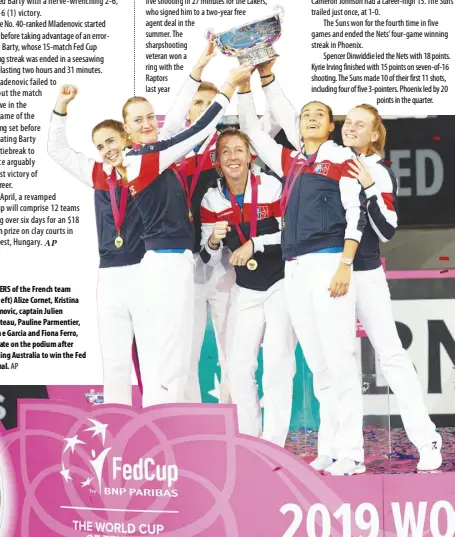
(279,10)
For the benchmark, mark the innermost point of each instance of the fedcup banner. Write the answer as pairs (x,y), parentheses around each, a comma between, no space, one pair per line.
(185,471)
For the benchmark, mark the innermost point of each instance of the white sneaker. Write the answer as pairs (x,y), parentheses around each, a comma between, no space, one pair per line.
(322,462)
(346,467)
(430,456)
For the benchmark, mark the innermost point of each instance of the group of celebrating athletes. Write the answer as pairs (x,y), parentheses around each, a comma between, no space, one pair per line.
(187,219)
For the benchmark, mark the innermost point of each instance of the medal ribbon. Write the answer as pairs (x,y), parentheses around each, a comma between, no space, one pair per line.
(182,175)
(120,211)
(289,183)
(254,210)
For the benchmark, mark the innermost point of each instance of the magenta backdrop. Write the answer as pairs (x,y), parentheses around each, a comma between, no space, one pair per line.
(204,479)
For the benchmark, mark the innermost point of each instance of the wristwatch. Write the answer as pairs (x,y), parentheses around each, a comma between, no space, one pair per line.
(346,260)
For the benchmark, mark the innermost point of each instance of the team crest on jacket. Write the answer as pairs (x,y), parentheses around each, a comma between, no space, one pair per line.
(322,169)
(263,212)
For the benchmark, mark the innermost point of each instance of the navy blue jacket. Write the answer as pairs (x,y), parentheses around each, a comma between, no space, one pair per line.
(316,216)
(381,206)
(132,250)
(155,186)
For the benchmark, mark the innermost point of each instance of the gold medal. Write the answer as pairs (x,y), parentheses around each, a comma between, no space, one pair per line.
(252,264)
(282,222)
(190,215)
(118,241)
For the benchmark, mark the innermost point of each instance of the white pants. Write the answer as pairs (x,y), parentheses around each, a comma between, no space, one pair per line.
(374,309)
(119,310)
(163,333)
(326,329)
(255,317)
(212,289)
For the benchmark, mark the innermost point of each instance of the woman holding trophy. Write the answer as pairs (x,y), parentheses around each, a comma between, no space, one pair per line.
(166,276)
(323,224)
(364,132)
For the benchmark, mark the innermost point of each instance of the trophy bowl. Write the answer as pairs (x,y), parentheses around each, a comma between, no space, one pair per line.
(251,42)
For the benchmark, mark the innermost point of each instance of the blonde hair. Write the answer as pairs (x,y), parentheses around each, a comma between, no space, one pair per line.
(377,146)
(226,133)
(113,124)
(207,86)
(132,100)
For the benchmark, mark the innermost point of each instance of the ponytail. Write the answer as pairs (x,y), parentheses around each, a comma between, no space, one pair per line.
(378,146)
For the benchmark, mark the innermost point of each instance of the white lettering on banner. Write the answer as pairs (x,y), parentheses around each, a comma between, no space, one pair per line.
(408,518)
(395,158)
(372,522)
(121,528)
(298,518)
(344,512)
(446,506)
(423,188)
(431,332)
(427,183)
(407,524)
(319,524)
(323,521)
(145,469)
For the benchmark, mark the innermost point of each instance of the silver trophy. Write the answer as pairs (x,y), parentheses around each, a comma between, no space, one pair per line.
(251,42)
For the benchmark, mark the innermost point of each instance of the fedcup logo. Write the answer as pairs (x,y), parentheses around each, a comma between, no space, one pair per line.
(135,473)
(219,470)
(145,469)
(97,462)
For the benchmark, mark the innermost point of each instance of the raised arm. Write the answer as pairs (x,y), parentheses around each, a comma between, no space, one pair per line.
(264,145)
(380,185)
(58,148)
(175,118)
(271,241)
(281,108)
(269,124)
(178,146)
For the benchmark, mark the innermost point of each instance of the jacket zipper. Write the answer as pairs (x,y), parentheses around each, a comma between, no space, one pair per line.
(296,221)
(324,223)
(118,197)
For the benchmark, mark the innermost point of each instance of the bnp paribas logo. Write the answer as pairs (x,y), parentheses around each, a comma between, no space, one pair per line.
(122,473)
